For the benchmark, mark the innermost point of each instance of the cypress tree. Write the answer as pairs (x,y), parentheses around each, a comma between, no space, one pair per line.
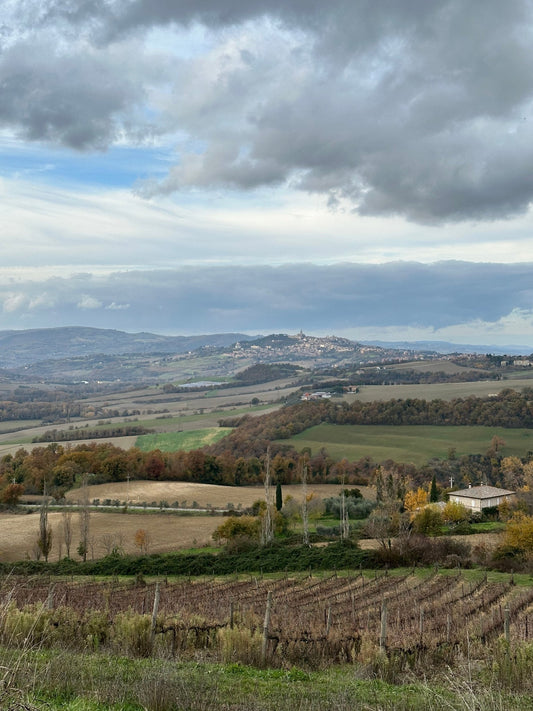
(279,497)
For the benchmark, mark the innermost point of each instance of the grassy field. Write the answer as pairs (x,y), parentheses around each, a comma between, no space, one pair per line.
(408,443)
(443,391)
(61,680)
(174,441)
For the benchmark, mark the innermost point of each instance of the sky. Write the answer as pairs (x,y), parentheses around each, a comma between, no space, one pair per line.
(362,168)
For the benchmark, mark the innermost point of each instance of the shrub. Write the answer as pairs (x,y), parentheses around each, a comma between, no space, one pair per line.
(240,644)
(131,634)
(428,521)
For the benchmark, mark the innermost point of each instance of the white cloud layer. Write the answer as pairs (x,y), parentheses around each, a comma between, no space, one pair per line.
(160,158)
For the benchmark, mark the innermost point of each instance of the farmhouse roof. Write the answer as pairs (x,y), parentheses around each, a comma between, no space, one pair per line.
(482,492)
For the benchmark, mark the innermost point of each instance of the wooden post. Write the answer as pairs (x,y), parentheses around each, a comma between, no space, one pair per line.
(231,613)
(328,621)
(266,624)
(154,612)
(383,632)
(507,624)
(421,623)
(448,627)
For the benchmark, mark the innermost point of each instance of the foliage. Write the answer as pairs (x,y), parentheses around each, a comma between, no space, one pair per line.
(11,494)
(519,532)
(236,526)
(454,512)
(142,540)
(279,497)
(428,521)
(265,372)
(131,634)
(275,557)
(56,435)
(415,500)
(355,509)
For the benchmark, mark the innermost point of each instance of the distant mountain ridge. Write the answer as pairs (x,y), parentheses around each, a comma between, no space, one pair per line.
(20,348)
(80,354)
(446,348)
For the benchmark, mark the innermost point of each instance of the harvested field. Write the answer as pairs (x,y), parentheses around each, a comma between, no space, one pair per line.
(204,494)
(167,532)
(444,391)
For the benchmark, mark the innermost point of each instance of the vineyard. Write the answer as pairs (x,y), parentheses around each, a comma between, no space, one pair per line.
(310,621)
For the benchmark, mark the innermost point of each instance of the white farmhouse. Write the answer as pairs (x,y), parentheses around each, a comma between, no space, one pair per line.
(477,498)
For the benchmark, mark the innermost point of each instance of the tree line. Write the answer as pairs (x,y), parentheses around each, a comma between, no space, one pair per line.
(509,409)
(239,459)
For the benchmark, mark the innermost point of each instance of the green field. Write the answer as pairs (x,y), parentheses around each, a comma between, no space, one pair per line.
(174,441)
(408,443)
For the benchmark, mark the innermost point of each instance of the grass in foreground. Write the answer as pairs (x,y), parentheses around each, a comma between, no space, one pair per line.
(59,680)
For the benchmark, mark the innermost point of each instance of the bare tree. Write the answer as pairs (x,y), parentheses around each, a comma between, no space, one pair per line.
(83,547)
(44,540)
(267,533)
(66,525)
(305,511)
(344,524)
(108,542)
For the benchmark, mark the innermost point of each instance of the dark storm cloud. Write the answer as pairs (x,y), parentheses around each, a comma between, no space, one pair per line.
(320,298)
(398,107)
(69,97)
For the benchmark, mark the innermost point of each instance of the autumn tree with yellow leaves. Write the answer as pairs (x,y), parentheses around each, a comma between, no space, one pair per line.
(415,500)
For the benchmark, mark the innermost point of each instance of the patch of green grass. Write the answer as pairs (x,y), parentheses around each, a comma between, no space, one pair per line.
(487,527)
(60,681)
(174,441)
(408,443)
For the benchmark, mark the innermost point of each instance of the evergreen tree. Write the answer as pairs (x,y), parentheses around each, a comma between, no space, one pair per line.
(279,497)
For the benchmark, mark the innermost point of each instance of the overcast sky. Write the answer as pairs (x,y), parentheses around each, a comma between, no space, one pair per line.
(357,167)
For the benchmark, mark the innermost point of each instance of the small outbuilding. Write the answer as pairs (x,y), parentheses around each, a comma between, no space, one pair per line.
(477,498)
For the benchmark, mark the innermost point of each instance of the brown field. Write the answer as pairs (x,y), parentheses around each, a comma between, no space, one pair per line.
(167,532)
(444,391)
(205,495)
(431,366)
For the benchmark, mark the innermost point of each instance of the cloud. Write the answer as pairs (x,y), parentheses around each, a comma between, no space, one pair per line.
(117,307)
(89,302)
(452,299)
(12,302)
(400,107)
